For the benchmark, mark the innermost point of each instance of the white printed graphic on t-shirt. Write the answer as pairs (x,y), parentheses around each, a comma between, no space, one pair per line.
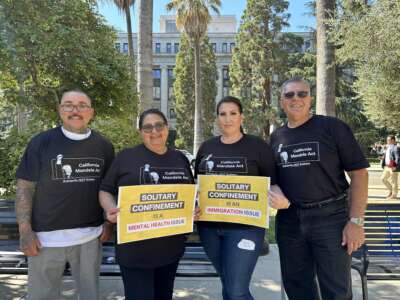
(210,164)
(156,175)
(297,155)
(82,169)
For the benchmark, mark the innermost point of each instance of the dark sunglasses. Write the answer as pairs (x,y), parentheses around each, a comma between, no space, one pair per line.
(148,128)
(291,95)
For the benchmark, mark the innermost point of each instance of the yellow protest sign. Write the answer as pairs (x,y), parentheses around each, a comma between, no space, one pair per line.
(234,199)
(150,211)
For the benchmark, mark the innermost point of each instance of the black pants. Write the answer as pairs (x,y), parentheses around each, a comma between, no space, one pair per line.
(149,284)
(309,243)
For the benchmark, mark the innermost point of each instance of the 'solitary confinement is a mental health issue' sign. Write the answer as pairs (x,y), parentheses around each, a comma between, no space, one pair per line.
(151,211)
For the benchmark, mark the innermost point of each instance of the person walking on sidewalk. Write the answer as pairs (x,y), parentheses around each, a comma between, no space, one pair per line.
(391,165)
(58,212)
(323,225)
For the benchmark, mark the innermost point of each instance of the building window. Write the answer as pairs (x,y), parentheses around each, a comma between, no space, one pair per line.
(169,48)
(125,48)
(176,47)
(158,48)
(170,26)
(214,47)
(117,46)
(231,47)
(172,114)
(224,47)
(225,81)
(157,84)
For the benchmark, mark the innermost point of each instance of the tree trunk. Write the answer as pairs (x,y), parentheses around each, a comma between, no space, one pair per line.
(130,41)
(325,61)
(145,54)
(266,106)
(198,101)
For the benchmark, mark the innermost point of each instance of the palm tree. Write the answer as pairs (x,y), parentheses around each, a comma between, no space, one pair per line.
(124,6)
(326,74)
(193,17)
(145,54)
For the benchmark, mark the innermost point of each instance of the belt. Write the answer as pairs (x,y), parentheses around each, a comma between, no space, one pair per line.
(322,203)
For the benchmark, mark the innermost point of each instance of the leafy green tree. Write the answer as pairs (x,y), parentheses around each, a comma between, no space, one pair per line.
(50,46)
(184,94)
(47,47)
(257,57)
(368,38)
(193,16)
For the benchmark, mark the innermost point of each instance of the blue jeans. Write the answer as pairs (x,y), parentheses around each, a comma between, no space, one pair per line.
(234,253)
(310,248)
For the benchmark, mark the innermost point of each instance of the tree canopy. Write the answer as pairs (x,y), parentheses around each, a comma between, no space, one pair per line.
(368,37)
(184,93)
(51,46)
(257,57)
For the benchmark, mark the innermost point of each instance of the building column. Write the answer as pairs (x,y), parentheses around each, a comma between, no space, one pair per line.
(219,84)
(164,90)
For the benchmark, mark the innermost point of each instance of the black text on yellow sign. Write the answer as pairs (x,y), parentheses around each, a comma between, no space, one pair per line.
(151,211)
(234,199)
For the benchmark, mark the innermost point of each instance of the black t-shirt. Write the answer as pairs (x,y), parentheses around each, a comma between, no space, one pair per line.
(250,156)
(311,159)
(68,174)
(136,166)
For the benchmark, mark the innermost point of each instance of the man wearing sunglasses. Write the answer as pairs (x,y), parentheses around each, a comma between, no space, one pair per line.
(58,212)
(323,225)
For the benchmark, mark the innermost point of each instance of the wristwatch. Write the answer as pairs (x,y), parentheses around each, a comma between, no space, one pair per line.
(358,221)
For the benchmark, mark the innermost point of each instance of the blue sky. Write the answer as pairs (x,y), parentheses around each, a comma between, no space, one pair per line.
(299,20)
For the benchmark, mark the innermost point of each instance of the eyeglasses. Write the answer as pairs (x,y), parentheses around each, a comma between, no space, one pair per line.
(291,95)
(82,107)
(148,128)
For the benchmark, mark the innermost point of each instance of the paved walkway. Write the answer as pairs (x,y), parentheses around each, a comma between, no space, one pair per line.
(265,285)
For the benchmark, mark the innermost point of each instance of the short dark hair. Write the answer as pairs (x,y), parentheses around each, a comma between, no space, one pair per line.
(230,99)
(151,111)
(392,137)
(294,80)
(75,91)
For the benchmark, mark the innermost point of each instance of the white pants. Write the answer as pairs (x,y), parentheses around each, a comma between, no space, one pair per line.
(389,179)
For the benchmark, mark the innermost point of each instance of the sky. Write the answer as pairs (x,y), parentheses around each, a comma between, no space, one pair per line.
(299,20)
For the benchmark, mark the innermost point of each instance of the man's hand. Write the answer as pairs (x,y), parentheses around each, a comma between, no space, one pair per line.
(108,230)
(111,214)
(29,242)
(352,236)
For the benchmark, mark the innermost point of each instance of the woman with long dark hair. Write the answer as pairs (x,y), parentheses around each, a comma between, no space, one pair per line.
(234,248)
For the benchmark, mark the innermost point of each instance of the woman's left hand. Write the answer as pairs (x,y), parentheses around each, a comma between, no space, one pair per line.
(197,213)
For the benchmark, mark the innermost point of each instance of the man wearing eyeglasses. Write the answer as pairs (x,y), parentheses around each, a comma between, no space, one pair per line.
(323,225)
(58,212)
